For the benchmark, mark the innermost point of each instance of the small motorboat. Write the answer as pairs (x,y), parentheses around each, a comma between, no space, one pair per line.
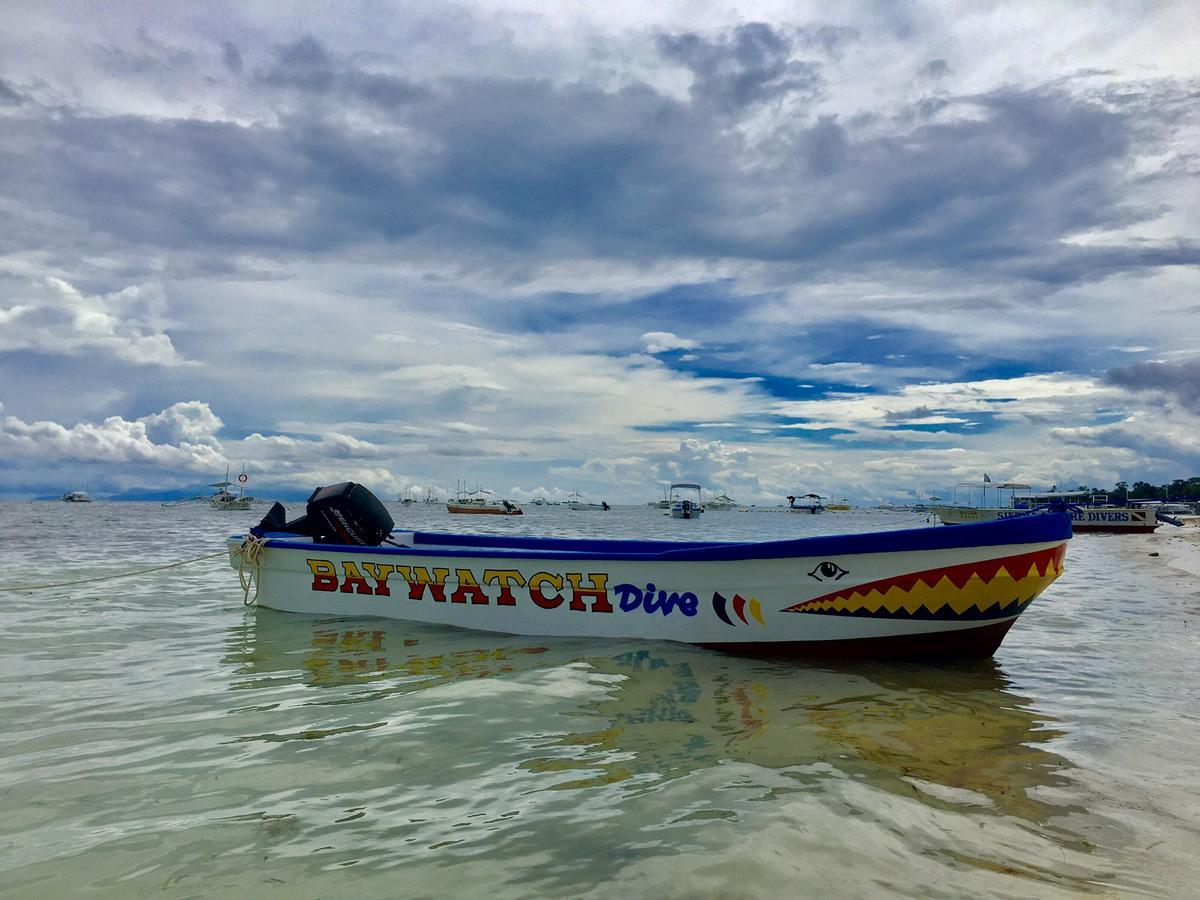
(924,592)
(77,497)
(685,507)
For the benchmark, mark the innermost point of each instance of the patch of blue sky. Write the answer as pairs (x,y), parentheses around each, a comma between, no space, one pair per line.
(815,434)
(705,307)
(780,387)
(1005,369)
(874,342)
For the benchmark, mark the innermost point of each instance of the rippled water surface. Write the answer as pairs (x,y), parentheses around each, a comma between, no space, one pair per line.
(159,738)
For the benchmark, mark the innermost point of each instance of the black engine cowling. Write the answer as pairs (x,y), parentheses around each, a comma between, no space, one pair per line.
(345,513)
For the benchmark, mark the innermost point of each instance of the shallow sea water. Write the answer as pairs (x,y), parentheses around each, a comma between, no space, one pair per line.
(160,738)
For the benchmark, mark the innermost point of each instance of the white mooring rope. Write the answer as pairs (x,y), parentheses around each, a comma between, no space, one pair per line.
(182,562)
(250,553)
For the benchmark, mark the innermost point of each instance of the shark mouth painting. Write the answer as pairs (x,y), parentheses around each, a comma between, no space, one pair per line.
(989,589)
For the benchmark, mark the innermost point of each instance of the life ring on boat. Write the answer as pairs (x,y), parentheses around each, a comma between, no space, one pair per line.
(243,478)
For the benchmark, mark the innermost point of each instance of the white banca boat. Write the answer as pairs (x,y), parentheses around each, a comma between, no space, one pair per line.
(1090,512)
(721,502)
(480,503)
(224,498)
(684,507)
(927,591)
(577,503)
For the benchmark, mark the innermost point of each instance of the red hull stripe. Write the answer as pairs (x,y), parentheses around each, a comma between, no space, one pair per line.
(969,642)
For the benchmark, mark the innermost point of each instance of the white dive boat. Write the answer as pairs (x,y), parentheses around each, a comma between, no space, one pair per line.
(1089,512)
(686,507)
(77,497)
(809,503)
(924,592)
(981,501)
(721,502)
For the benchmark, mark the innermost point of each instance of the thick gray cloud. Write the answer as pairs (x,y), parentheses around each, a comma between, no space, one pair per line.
(751,65)
(485,168)
(1179,381)
(8,97)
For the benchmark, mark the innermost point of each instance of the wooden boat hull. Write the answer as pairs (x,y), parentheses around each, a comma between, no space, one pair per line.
(1108,520)
(942,592)
(469,510)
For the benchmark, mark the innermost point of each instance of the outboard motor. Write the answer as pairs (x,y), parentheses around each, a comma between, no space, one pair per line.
(345,513)
(687,509)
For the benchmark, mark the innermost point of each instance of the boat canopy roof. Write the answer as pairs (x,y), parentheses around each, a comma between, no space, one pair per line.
(685,484)
(1004,485)
(1052,495)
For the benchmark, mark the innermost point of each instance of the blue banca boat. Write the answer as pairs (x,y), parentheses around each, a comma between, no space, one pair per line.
(945,592)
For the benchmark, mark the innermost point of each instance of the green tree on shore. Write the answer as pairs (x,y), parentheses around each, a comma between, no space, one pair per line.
(1180,488)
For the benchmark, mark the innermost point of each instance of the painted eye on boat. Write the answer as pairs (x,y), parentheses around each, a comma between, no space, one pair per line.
(827,571)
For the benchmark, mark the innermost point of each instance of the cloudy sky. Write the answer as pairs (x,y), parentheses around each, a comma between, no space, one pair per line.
(863,249)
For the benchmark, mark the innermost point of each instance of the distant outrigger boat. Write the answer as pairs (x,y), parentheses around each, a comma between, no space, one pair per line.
(223,498)
(476,503)
(664,503)
(577,503)
(226,499)
(927,591)
(77,497)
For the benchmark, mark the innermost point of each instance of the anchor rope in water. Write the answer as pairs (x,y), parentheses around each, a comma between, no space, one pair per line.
(99,578)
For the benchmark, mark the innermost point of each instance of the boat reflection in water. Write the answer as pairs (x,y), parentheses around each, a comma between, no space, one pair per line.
(950,734)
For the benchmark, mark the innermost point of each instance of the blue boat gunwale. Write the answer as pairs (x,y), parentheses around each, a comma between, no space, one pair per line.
(1035,528)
